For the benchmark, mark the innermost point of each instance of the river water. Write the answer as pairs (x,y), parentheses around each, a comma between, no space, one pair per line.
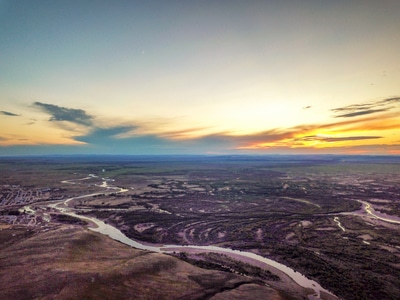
(367,207)
(117,235)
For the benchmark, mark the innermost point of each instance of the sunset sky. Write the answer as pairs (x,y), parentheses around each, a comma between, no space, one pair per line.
(199,77)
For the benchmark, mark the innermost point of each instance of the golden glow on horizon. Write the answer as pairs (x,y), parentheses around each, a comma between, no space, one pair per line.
(21,131)
(377,129)
(349,133)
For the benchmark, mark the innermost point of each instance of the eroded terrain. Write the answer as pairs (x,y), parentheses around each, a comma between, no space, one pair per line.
(308,213)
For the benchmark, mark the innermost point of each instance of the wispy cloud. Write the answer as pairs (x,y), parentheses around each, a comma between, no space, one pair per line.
(330,139)
(119,139)
(349,149)
(59,113)
(367,108)
(365,124)
(31,122)
(391,100)
(346,132)
(7,113)
(301,136)
(362,112)
(104,135)
(184,133)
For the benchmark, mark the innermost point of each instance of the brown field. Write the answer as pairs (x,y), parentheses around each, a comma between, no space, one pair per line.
(302,212)
(70,262)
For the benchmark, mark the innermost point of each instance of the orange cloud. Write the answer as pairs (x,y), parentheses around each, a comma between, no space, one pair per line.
(356,131)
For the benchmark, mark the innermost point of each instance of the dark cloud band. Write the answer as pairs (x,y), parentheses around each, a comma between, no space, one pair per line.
(7,113)
(337,139)
(362,109)
(362,113)
(59,113)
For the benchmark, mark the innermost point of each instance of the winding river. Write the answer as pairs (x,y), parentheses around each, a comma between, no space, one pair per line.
(116,234)
(337,221)
(367,207)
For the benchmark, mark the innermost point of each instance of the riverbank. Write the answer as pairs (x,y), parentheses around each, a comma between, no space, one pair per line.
(71,262)
(305,285)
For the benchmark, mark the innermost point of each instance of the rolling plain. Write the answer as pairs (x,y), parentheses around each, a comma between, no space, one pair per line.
(335,219)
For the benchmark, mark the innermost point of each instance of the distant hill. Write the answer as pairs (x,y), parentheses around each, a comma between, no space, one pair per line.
(71,262)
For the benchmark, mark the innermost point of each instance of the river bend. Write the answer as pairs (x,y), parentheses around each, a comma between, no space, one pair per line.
(117,235)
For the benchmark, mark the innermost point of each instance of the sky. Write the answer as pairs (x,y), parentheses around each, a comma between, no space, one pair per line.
(199,77)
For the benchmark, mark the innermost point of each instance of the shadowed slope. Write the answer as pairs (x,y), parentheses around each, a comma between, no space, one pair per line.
(73,263)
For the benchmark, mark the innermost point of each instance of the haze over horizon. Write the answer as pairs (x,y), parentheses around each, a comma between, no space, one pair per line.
(204,77)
